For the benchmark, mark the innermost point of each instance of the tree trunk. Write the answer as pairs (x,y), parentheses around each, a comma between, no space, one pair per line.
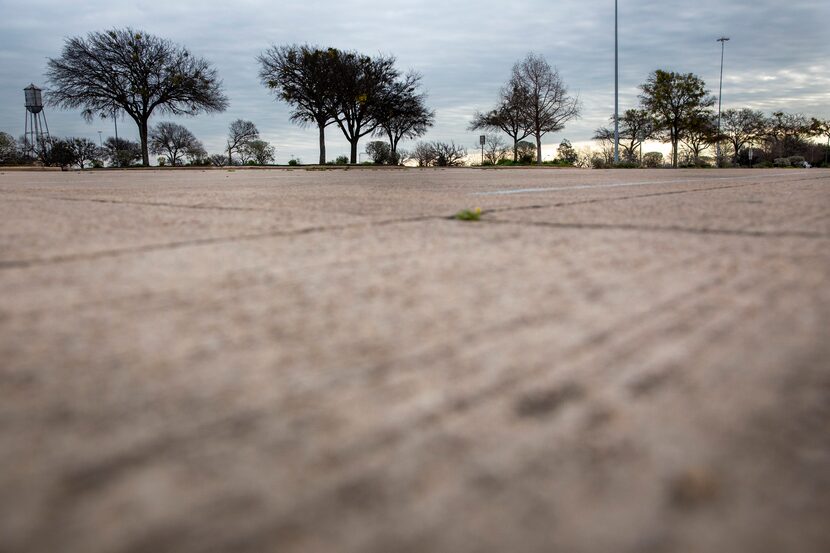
(353,143)
(393,147)
(322,127)
(538,149)
(145,154)
(515,149)
(674,153)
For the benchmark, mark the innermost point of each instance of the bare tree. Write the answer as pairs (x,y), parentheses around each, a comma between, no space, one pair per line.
(636,126)
(546,104)
(605,137)
(406,115)
(448,154)
(218,160)
(700,133)
(424,154)
(495,149)
(303,77)
(240,133)
(508,117)
(172,140)
(741,126)
(196,153)
(134,72)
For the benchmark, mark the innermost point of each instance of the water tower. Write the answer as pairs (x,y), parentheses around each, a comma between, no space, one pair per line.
(37,131)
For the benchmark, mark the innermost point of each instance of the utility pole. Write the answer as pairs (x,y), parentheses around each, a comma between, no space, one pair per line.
(117,149)
(722,41)
(616,90)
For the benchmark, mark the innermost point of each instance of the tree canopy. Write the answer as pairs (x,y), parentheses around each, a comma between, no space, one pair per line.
(508,117)
(546,105)
(674,100)
(240,134)
(361,94)
(534,102)
(135,72)
(405,115)
(302,76)
(174,141)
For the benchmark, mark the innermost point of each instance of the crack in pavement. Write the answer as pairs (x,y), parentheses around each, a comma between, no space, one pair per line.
(159,204)
(23,263)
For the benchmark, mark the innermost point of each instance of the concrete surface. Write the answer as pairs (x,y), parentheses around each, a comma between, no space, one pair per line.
(318,361)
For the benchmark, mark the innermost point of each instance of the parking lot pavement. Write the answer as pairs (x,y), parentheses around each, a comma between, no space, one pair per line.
(326,360)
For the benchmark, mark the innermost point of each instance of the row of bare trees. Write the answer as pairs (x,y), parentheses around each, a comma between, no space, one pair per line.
(534,102)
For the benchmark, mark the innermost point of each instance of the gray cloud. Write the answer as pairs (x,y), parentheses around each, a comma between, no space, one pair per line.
(777,58)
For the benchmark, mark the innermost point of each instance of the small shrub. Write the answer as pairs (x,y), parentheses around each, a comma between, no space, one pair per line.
(341,160)
(219,160)
(653,159)
(558,163)
(448,154)
(599,162)
(782,162)
(526,151)
(796,161)
(293,162)
(566,153)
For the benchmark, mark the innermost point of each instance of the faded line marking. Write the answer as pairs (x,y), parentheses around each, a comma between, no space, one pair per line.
(619,184)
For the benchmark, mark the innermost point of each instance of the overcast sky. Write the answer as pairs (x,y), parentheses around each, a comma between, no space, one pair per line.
(778,56)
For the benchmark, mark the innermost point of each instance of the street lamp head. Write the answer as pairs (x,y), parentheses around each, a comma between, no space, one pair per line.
(723,39)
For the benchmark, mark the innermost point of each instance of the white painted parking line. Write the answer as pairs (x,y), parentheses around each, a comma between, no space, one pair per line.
(618,184)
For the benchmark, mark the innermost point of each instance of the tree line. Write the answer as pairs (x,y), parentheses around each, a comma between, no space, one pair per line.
(677,108)
(125,72)
(174,143)
(132,73)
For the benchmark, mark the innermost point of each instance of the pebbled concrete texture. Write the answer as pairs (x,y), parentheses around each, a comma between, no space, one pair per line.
(326,361)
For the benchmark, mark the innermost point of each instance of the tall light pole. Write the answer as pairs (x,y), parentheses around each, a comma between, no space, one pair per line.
(616,90)
(722,41)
